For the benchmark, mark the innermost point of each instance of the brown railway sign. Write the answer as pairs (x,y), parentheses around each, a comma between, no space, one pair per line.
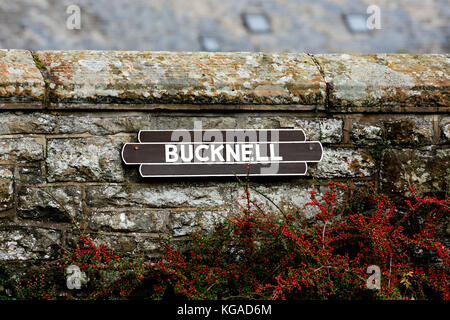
(209,153)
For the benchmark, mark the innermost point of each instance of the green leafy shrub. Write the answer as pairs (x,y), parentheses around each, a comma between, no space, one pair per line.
(265,255)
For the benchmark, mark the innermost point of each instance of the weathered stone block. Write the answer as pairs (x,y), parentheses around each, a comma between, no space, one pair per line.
(20,79)
(411,131)
(188,122)
(85,159)
(366,134)
(183,222)
(316,129)
(148,247)
(444,124)
(261,122)
(179,194)
(129,220)
(28,243)
(330,130)
(6,188)
(387,81)
(133,246)
(289,197)
(21,122)
(117,243)
(55,204)
(201,77)
(425,170)
(30,174)
(343,162)
(310,127)
(21,149)
(104,123)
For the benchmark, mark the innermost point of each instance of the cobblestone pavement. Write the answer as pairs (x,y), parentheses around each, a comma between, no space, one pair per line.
(219,25)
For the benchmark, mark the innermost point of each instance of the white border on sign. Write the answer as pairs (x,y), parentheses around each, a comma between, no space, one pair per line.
(164,143)
(223,175)
(159,130)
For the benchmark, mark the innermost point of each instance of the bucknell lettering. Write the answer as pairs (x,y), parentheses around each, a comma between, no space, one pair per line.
(187,153)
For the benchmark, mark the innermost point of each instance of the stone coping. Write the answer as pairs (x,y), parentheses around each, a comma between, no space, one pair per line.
(132,80)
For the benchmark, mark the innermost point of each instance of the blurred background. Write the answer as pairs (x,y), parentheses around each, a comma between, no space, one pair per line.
(313,26)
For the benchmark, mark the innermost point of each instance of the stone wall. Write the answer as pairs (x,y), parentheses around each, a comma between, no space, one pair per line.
(64,116)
